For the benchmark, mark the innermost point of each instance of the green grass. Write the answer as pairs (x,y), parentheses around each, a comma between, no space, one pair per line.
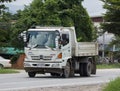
(113,85)
(8,71)
(108,66)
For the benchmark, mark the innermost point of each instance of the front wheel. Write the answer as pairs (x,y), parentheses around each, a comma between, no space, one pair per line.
(66,70)
(31,74)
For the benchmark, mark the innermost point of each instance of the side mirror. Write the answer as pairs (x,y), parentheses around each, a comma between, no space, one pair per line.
(57,42)
(23,35)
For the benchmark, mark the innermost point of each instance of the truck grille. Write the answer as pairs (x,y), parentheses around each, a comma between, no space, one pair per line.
(41,57)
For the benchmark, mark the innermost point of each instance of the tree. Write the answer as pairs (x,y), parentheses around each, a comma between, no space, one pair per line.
(5,24)
(56,13)
(112,16)
(77,16)
(59,12)
(83,24)
(5,29)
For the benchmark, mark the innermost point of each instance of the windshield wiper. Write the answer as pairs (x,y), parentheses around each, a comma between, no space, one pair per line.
(41,46)
(38,46)
(49,47)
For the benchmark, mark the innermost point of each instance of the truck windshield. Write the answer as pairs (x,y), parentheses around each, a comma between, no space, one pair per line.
(41,39)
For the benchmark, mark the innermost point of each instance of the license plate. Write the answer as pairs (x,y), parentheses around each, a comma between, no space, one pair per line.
(41,65)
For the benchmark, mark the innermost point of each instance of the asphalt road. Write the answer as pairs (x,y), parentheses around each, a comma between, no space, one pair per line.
(20,81)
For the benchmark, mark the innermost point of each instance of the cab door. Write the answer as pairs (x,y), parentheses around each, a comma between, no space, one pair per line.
(66,47)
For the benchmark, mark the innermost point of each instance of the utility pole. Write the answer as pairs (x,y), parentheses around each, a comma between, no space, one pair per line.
(103,48)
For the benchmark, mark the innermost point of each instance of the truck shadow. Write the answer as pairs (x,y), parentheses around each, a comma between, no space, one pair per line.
(60,77)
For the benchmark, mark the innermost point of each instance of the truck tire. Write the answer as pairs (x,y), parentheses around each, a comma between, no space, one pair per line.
(66,70)
(93,69)
(31,74)
(85,69)
(72,72)
(81,69)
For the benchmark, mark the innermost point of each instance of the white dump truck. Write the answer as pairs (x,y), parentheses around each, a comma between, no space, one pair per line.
(55,50)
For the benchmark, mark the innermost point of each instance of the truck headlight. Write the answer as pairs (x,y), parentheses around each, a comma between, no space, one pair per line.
(27,65)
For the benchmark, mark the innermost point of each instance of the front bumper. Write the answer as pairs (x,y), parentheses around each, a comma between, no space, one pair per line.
(43,65)
(43,70)
(40,67)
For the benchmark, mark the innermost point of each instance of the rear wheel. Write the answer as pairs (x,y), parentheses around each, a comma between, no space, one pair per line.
(81,69)
(31,74)
(66,70)
(85,69)
(93,68)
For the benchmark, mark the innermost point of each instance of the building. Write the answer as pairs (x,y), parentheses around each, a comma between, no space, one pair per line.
(104,38)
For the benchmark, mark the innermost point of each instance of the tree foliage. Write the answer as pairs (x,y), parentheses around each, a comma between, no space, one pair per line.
(51,13)
(2,6)
(77,16)
(5,31)
(112,16)
(5,24)
(57,13)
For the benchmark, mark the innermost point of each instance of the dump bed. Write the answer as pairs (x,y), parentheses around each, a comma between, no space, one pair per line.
(86,49)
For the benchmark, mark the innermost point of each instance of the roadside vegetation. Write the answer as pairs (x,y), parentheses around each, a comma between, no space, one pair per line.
(8,71)
(108,66)
(112,16)
(113,85)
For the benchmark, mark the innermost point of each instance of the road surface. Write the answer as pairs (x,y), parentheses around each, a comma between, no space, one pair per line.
(21,81)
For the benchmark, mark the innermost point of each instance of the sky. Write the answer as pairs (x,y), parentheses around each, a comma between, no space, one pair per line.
(94,7)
